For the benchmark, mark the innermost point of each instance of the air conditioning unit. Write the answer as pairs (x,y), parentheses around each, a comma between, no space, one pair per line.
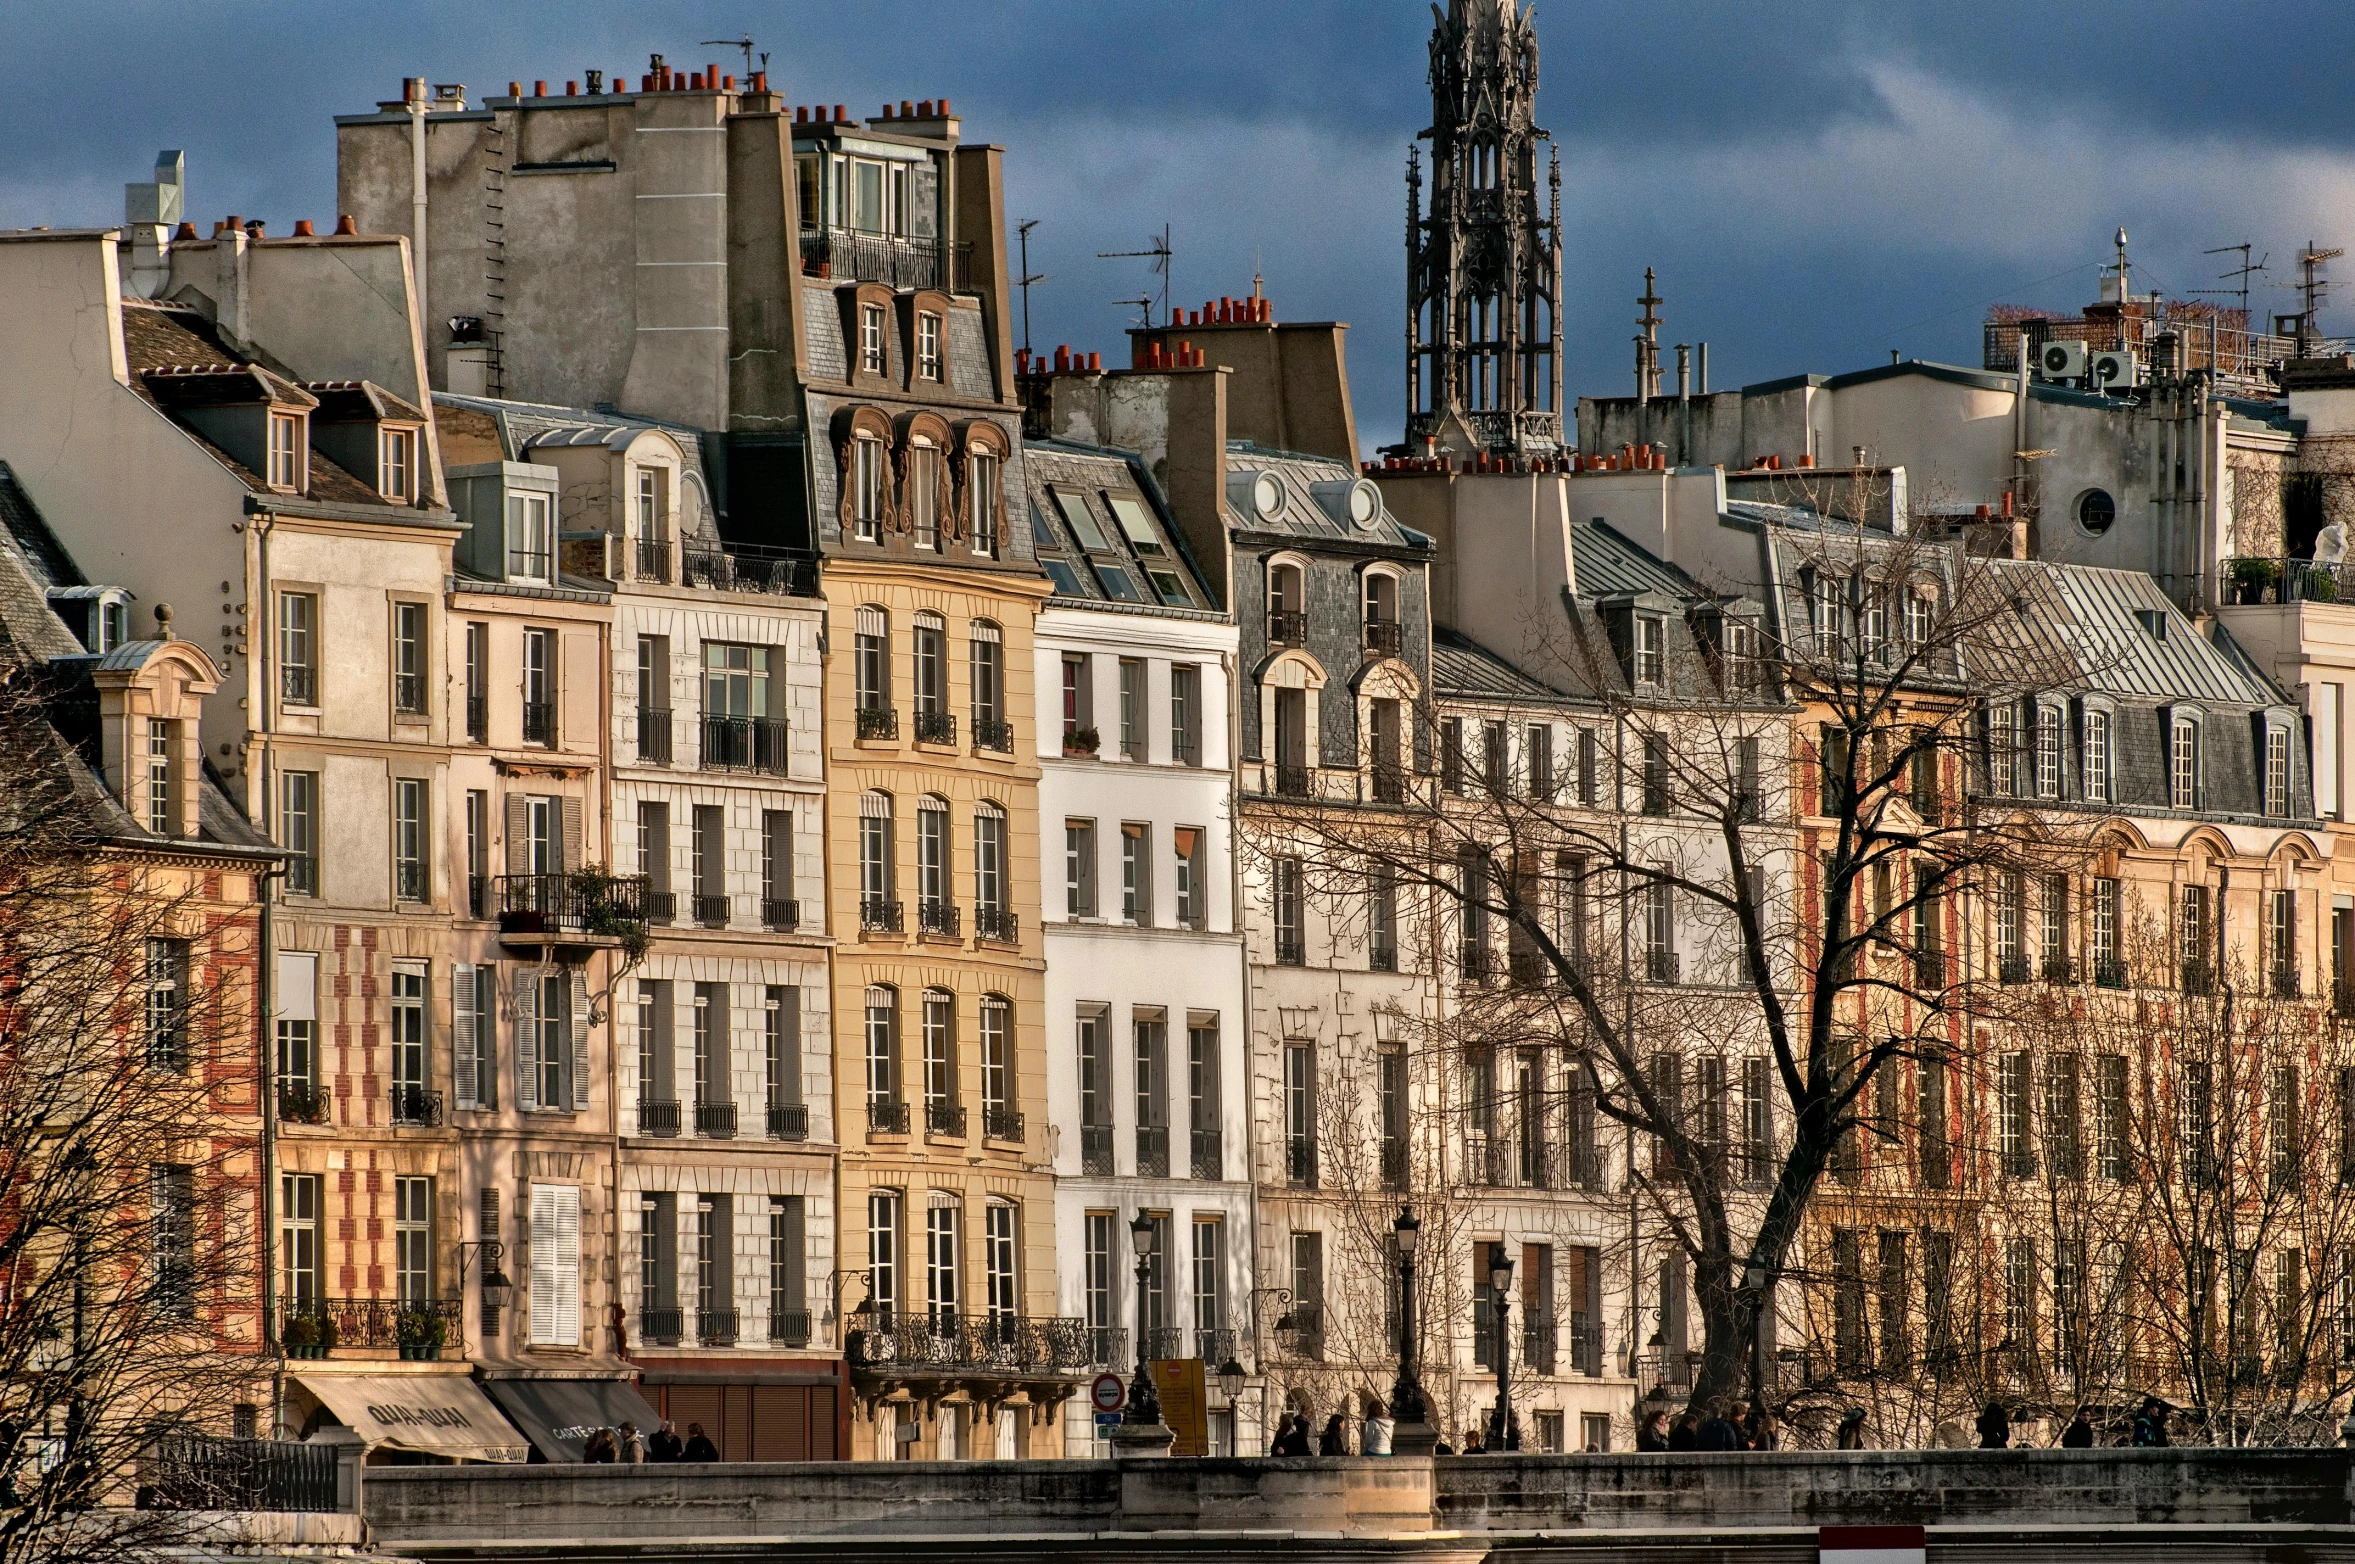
(2061,361)
(2115,372)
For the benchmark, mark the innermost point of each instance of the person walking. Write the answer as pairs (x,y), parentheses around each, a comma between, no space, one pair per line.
(1474,1441)
(1851,1434)
(1686,1435)
(699,1445)
(1995,1427)
(1762,1434)
(2150,1425)
(1718,1432)
(1335,1440)
(1651,1435)
(1374,1437)
(665,1445)
(1291,1435)
(632,1448)
(2079,1434)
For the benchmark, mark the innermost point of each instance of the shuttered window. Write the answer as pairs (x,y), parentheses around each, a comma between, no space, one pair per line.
(556,1265)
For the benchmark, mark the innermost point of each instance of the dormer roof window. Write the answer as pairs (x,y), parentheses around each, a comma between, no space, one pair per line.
(396,463)
(286,451)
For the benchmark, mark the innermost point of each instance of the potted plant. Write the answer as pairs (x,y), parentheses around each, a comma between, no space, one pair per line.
(421,1333)
(307,1336)
(2253,578)
(1080,741)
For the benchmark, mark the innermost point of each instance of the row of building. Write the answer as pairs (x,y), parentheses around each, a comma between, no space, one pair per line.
(763,809)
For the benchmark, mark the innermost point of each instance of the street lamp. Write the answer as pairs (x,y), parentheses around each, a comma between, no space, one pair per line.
(1144,1406)
(1409,1415)
(1504,1429)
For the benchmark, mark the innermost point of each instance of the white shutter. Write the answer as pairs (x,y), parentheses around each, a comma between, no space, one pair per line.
(567,1331)
(527,1038)
(486,1036)
(463,1022)
(544,1265)
(297,998)
(518,834)
(579,1041)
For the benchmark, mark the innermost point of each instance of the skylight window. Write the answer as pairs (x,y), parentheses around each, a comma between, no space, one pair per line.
(1135,523)
(1083,521)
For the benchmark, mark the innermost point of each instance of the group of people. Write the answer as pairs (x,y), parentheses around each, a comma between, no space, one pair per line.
(1373,1433)
(1711,1428)
(1715,1428)
(623,1446)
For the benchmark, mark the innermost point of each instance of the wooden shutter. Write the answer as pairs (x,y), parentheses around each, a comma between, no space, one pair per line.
(543,1262)
(572,834)
(578,1042)
(462,1028)
(486,1036)
(527,1038)
(567,1331)
(518,834)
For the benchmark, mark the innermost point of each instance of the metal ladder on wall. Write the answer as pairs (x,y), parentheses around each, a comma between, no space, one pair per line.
(494,257)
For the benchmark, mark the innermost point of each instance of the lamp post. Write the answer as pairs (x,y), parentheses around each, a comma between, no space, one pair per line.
(1230,1378)
(1141,1431)
(1413,1433)
(1504,1429)
(495,1285)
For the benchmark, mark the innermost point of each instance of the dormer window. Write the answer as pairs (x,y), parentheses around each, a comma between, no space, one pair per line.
(1287,606)
(396,464)
(1650,654)
(928,345)
(161,737)
(868,477)
(648,502)
(114,624)
(530,547)
(871,339)
(2183,763)
(924,493)
(286,451)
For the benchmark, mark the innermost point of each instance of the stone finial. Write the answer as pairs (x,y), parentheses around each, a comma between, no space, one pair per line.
(163,621)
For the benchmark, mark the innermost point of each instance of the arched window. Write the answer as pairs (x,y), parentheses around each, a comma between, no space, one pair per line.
(923,491)
(1287,605)
(1381,614)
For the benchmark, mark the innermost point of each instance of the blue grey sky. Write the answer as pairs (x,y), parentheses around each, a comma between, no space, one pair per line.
(1817,181)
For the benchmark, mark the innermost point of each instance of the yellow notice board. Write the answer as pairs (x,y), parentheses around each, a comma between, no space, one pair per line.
(1185,1404)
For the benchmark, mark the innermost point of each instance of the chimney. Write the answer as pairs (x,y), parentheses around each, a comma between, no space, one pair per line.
(346,225)
(150,212)
(303,229)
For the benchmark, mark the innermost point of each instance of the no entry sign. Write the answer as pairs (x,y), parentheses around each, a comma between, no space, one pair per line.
(1107,1393)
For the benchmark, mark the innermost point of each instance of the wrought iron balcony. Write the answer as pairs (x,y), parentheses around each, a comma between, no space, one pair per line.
(993,735)
(1152,1151)
(2286,984)
(409,694)
(478,719)
(1382,956)
(2198,977)
(1108,1347)
(1209,1154)
(654,734)
(901,1344)
(936,727)
(1287,628)
(1393,1163)
(654,560)
(789,1327)
(851,255)
(1000,1122)
(1095,1150)
(1300,1161)
(938,917)
(1293,781)
(943,1117)
(887,1116)
(1291,949)
(539,723)
(1472,960)
(879,916)
(878,722)
(658,1116)
(364,1322)
(1586,1347)
(416,1105)
(715,1327)
(304,1102)
(789,1121)
(2011,969)
(298,684)
(756,744)
(782,914)
(999,925)
(2109,972)
(1538,1339)
(662,1327)
(1663,966)
(715,1120)
(746,567)
(711,911)
(662,907)
(1383,637)
(569,904)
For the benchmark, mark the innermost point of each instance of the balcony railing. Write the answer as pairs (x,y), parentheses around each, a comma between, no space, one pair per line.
(879,916)
(887,1116)
(716,1327)
(1393,1163)
(789,1121)
(1586,1347)
(850,255)
(1209,1154)
(654,560)
(1293,781)
(2109,972)
(999,1122)
(416,1105)
(409,694)
(2286,984)
(2198,977)
(1286,628)
(972,1343)
(1291,949)
(1383,638)
(662,907)
(789,1327)
(2011,969)
(478,719)
(662,1327)
(715,1120)
(1382,956)
(938,917)
(936,727)
(1389,783)
(193,1472)
(756,744)
(1152,1151)
(710,911)
(298,684)
(304,1102)
(373,1323)
(1095,1150)
(560,903)
(999,925)
(654,734)
(1300,1161)
(539,723)
(878,722)
(658,1116)
(1304,1337)
(991,734)
(2262,580)
(1663,966)
(782,914)
(746,567)
(943,1117)
(1107,1347)
(1538,1339)
(1472,960)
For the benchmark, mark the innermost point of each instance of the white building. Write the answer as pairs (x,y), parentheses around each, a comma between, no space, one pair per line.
(1145,1000)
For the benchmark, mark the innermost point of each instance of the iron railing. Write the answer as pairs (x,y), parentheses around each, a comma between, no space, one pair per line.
(1287,628)
(371,1322)
(539,723)
(985,1343)
(662,907)
(877,916)
(991,734)
(654,734)
(1382,956)
(1383,638)
(1305,1336)
(1095,1150)
(789,1327)
(1393,1163)
(999,1122)
(745,567)
(1663,966)
(755,744)
(1300,1160)
(1209,1154)
(716,1327)
(658,1116)
(2011,969)
(298,684)
(936,727)
(878,722)
(1107,1347)
(1538,1340)
(1152,1151)
(710,911)
(409,694)
(478,718)
(887,1116)
(1292,781)
(943,1117)
(715,1120)
(416,1105)
(304,1102)
(781,913)
(938,917)
(654,559)
(2109,972)
(999,925)
(850,255)
(196,1472)
(555,903)
(1291,949)
(789,1121)
(662,1327)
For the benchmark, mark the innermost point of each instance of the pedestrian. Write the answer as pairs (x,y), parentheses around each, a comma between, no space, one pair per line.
(699,1445)
(2079,1434)
(1851,1434)
(1949,1435)
(1686,1435)
(664,1446)
(1442,1447)
(1374,1437)
(1291,1435)
(598,1450)
(2150,1425)
(1761,1432)
(1651,1435)
(633,1448)
(1335,1440)
(1995,1427)
(1717,1430)
(1473,1444)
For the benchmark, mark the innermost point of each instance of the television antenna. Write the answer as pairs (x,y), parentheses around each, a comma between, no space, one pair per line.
(744,43)
(1022,236)
(2243,272)
(1143,304)
(1159,252)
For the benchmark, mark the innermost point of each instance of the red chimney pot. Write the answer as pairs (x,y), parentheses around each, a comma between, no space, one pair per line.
(303,230)
(1095,363)
(944,108)
(185,231)
(539,89)
(346,224)
(841,111)
(515,89)
(572,89)
(924,108)
(907,109)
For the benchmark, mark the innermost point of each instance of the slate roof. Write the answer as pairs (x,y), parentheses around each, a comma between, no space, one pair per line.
(2094,620)
(1462,667)
(1315,504)
(523,427)
(1130,553)
(1606,564)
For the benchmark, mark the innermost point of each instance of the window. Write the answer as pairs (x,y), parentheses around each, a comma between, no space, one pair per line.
(649,505)
(1308,1293)
(2101,933)
(883,1251)
(981,488)
(167,1004)
(298,648)
(2110,1104)
(2277,771)
(2011,896)
(985,649)
(298,830)
(1660,955)
(408,1045)
(396,464)
(1096,1284)
(474,1044)
(1079,715)
(2064,1085)
(780,909)
(921,490)
(870,486)
(1291,914)
(1193,891)
(1132,710)
(989,864)
(2012,1087)
(781,1027)
(2281,941)
(413,1241)
(299,1260)
(871,660)
(940,1055)
(997,1067)
(930,663)
(2053,915)
(1136,875)
(1000,1260)
(1150,1032)
(1656,793)
(2183,763)
(928,344)
(789,1301)
(2097,757)
(1079,868)
(1382,918)
(932,863)
(1537,744)
(2193,932)
(555,1265)
(1300,1112)
(2003,745)
(1210,1288)
(1649,656)
(539,687)
(715,1108)
(1590,771)
(942,1271)
(2048,751)
(171,1206)
(408,655)
(286,451)
(412,872)
(1185,714)
(1496,770)
(870,336)
(1451,755)
(160,742)
(707,850)
(876,880)
(531,544)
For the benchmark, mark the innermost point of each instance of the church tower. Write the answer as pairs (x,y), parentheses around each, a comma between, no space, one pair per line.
(1484,268)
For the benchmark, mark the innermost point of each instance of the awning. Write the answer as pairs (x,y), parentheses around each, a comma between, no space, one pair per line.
(431,1414)
(560,1414)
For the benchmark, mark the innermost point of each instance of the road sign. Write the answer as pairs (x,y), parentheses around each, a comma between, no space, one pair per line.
(1107,1393)
(1106,1420)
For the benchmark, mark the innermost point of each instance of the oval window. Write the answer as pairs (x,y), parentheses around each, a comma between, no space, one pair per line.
(1267,496)
(1365,503)
(2096,510)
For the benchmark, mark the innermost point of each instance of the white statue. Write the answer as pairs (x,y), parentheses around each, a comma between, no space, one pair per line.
(2330,545)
